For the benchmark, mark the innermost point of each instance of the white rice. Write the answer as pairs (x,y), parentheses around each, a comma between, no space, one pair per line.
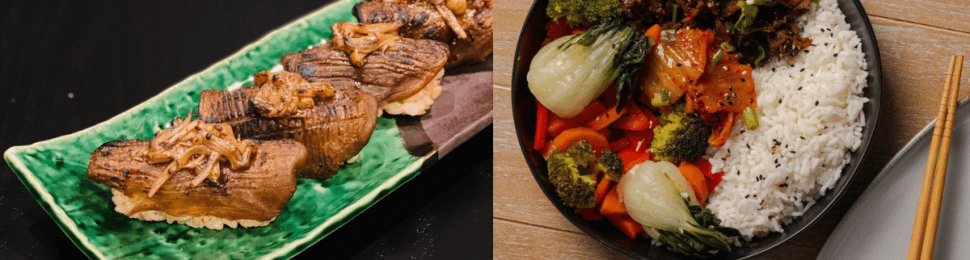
(810,110)
(125,204)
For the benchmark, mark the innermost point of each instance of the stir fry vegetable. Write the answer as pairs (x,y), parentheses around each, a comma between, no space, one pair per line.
(568,73)
(652,200)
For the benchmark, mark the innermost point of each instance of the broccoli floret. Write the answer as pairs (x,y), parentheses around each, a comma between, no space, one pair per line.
(582,152)
(611,164)
(574,182)
(578,12)
(680,137)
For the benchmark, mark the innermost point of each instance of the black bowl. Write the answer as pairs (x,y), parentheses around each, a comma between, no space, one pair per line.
(524,111)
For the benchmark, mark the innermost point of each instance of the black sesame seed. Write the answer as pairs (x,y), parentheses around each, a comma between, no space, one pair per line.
(816,102)
(106,153)
(776,160)
(208,136)
(779,101)
(802,137)
(748,145)
(826,44)
(730,103)
(783,185)
(197,128)
(751,100)
(772,69)
(747,196)
(799,88)
(731,87)
(802,70)
(690,81)
(742,131)
(831,35)
(678,64)
(743,80)
(723,159)
(126,173)
(792,152)
(821,29)
(729,150)
(793,65)
(720,104)
(218,127)
(835,55)
(779,165)
(806,50)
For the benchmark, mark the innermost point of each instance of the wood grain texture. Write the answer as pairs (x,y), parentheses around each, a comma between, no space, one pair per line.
(512,240)
(914,43)
(949,14)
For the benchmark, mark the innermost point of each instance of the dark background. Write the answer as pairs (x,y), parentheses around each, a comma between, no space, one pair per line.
(113,56)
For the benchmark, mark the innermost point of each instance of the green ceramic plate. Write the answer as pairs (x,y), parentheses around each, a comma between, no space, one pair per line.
(54,170)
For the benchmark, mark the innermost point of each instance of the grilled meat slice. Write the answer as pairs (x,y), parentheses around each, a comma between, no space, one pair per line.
(421,21)
(333,130)
(403,70)
(257,192)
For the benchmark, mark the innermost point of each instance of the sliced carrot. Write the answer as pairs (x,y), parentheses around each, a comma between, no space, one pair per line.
(713,179)
(654,32)
(696,180)
(607,118)
(590,214)
(627,225)
(619,144)
(592,137)
(602,188)
(611,205)
(606,133)
(542,117)
(636,119)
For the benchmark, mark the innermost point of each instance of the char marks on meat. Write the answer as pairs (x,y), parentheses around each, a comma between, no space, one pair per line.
(333,130)
(421,21)
(257,192)
(393,74)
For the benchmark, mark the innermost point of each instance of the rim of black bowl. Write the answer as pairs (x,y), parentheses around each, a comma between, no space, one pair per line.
(523,110)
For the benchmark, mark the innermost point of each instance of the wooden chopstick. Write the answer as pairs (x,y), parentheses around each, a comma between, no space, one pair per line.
(922,241)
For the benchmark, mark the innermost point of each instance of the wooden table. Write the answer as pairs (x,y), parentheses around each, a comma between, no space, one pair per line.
(915,40)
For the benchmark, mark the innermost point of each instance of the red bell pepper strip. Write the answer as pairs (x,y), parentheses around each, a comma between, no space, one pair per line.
(542,118)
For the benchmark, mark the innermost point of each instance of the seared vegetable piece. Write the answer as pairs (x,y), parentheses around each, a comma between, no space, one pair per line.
(568,172)
(652,200)
(681,136)
(578,12)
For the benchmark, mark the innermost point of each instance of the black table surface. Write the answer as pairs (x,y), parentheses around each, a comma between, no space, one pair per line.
(68,65)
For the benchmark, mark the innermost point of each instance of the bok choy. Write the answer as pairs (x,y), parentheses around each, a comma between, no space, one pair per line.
(653,200)
(568,73)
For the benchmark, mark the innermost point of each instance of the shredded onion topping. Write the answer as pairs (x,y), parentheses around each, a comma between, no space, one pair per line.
(197,146)
(359,40)
(284,93)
